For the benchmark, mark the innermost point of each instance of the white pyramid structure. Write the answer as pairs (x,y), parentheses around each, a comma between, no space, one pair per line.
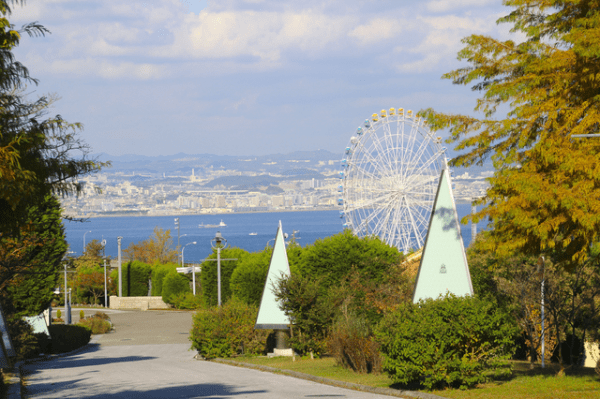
(270,316)
(443,265)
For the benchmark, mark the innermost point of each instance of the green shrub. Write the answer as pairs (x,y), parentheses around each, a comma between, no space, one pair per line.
(174,283)
(187,301)
(448,342)
(81,314)
(97,324)
(310,312)
(100,314)
(208,276)
(68,337)
(135,278)
(158,274)
(58,313)
(227,330)
(25,343)
(352,344)
(248,279)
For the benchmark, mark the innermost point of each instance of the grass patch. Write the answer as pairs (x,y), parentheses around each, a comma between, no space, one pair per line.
(526,383)
(325,367)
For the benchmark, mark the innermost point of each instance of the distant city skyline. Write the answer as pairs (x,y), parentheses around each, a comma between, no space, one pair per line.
(245,77)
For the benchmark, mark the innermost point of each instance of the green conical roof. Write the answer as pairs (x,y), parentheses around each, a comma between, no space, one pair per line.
(270,316)
(443,265)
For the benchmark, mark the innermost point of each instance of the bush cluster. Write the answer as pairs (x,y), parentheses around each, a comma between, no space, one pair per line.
(352,344)
(187,301)
(227,330)
(135,278)
(174,284)
(98,323)
(448,342)
(68,337)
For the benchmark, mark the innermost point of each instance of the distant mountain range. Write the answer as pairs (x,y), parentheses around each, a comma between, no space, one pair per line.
(295,165)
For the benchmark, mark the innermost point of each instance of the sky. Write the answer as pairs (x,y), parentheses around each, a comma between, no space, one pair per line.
(245,77)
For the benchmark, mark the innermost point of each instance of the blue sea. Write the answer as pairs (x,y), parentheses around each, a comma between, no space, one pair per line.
(311,225)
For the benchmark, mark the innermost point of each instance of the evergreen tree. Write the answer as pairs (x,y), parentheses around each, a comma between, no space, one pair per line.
(31,290)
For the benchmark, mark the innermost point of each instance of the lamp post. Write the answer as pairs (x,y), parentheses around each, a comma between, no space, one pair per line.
(218,239)
(84,240)
(67,305)
(104,257)
(177,226)
(541,266)
(193,268)
(119,262)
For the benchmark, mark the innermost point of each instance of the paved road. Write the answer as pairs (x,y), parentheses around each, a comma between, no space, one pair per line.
(148,356)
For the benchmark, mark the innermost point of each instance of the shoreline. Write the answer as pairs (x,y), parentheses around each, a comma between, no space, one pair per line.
(175,214)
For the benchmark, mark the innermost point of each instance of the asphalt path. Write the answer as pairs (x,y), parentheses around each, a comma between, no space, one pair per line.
(148,356)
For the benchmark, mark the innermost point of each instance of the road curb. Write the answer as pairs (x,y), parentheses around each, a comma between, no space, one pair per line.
(332,382)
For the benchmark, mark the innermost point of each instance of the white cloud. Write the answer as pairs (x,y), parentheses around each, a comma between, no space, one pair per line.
(232,36)
(448,5)
(376,30)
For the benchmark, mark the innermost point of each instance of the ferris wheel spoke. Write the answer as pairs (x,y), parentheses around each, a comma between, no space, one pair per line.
(384,161)
(416,156)
(423,167)
(410,143)
(412,220)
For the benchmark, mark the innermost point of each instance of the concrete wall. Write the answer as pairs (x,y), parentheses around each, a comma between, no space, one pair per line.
(137,303)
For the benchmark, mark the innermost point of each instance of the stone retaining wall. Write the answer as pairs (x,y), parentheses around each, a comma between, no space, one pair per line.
(137,303)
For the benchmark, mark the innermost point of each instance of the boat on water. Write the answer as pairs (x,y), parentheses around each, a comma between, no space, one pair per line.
(219,225)
(253,233)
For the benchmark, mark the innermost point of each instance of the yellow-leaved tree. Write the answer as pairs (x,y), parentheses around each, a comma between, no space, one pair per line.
(545,193)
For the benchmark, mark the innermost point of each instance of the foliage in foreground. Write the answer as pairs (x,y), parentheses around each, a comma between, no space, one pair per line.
(448,342)
(227,330)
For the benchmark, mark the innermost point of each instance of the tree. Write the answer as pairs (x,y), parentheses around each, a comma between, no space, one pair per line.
(91,257)
(156,249)
(513,283)
(36,160)
(545,193)
(90,281)
(332,258)
(29,284)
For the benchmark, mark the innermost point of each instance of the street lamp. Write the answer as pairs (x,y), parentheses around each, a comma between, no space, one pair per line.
(218,239)
(104,257)
(67,305)
(541,266)
(177,225)
(193,269)
(119,238)
(84,240)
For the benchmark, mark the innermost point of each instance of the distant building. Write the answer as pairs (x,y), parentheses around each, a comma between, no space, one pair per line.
(278,201)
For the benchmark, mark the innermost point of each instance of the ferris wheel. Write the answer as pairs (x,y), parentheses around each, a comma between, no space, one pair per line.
(389,180)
